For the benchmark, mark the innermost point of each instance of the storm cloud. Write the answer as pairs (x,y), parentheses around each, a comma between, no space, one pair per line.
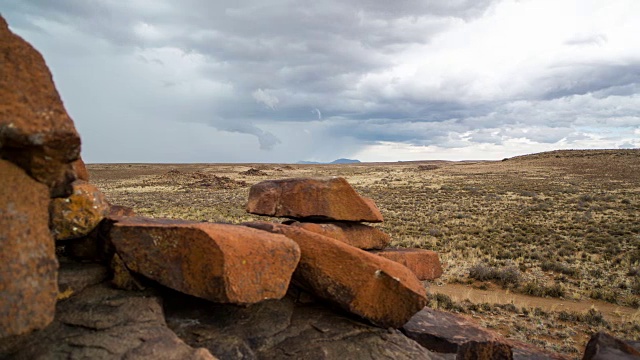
(282,81)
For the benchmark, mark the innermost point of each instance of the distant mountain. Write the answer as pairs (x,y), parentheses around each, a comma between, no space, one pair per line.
(345,161)
(338,161)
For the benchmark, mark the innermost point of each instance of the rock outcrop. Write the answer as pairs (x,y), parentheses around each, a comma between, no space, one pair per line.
(285,329)
(35,131)
(355,234)
(28,265)
(103,323)
(377,289)
(330,199)
(424,263)
(218,262)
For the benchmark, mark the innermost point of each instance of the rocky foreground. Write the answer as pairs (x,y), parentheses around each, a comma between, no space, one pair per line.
(82,278)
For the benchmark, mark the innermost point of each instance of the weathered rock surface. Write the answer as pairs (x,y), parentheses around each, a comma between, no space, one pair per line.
(382,291)
(73,277)
(218,262)
(424,263)
(28,265)
(284,329)
(306,198)
(103,323)
(77,215)
(80,169)
(444,332)
(355,234)
(35,131)
(603,346)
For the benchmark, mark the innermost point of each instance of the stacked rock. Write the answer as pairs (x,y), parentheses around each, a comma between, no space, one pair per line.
(332,208)
(327,223)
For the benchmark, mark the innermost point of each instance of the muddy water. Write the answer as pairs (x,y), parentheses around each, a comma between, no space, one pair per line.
(459,292)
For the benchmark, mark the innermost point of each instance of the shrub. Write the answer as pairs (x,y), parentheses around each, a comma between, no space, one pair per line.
(504,277)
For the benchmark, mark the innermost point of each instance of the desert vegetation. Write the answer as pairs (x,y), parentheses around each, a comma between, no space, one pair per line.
(562,225)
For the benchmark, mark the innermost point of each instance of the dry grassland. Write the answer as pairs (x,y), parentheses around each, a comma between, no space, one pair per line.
(563,225)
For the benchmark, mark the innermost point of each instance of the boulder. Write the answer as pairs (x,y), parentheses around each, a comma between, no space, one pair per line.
(444,332)
(104,323)
(77,215)
(379,290)
(306,198)
(424,263)
(80,169)
(284,329)
(35,131)
(28,265)
(355,234)
(603,346)
(218,262)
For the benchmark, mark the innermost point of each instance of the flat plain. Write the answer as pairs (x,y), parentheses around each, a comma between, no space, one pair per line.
(543,248)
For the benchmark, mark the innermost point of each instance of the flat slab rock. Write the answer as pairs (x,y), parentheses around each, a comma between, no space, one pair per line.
(103,323)
(28,265)
(285,329)
(379,290)
(217,262)
(73,277)
(355,234)
(36,133)
(311,198)
(424,263)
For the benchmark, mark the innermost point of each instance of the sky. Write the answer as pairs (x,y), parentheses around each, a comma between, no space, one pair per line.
(282,81)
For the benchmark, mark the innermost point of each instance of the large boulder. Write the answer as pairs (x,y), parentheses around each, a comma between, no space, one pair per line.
(444,332)
(77,215)
(307,198)
(355,234)
(218,262)
(35,131)
(424,263)
(103,323)
(28,265)
(603,346)
(379,290)
(285,329)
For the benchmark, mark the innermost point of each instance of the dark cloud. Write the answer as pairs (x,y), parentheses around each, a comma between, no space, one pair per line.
(318,77)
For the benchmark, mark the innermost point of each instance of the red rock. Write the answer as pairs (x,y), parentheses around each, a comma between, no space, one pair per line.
(28,265)
(35,131)
(119,210)
(80,169)
(444,332)
(218,262)
(424,263)
(382,291)
(306,198)
(77,215)
(355,234)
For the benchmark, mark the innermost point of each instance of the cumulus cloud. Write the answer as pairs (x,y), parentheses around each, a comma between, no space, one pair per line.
(266,98)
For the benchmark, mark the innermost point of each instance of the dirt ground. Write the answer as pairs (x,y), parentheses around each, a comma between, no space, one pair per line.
(562,227)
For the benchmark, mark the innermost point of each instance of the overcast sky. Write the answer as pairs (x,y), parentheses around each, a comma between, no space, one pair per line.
(283,81)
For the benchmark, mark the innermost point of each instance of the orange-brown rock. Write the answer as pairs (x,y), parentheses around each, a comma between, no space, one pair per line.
(75,216)
(119,210)
(218,262)
(355,234)
(380,290)
(306,198)
(424,263)
(28,265)
(35,131)
(80,169)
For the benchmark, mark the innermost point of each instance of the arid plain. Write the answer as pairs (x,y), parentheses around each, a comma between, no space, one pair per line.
(543,248)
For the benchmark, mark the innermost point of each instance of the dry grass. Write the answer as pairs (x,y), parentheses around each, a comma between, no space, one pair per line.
(564,224)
